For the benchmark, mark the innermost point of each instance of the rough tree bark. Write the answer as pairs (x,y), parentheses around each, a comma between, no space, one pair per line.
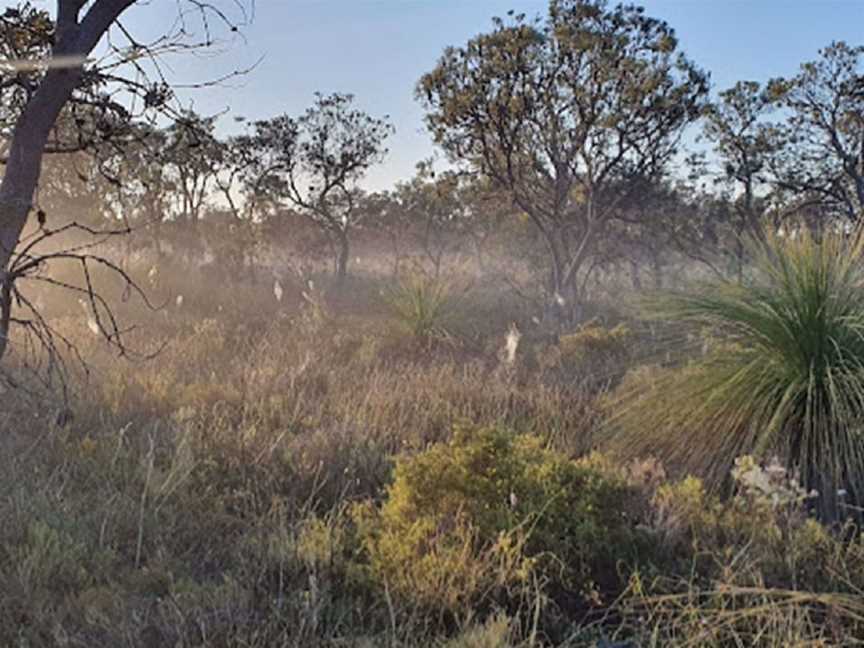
(76,37)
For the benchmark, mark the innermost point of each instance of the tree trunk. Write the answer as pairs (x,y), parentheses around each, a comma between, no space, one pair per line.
(567,285)
(343,255)
(22,174)
(74,38)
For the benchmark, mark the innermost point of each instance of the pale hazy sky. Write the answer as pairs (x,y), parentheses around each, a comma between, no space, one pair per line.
(378,49)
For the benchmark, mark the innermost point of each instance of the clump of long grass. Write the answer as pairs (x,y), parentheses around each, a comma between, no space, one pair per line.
(421,305)
(729,615)
(784,372)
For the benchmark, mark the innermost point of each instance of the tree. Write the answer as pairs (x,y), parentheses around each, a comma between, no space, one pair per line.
(54,80)
(437,210)
(315,162)
(192,156)
(744,142)
(141,185)
(823,154)
(562,113)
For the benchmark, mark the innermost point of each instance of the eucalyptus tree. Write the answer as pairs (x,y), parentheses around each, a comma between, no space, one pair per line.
(822,158)
(744,142)
(562,112)
(192,155)
(65,99)
(315,161)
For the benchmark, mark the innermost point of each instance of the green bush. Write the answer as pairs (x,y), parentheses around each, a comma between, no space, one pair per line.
(490,515)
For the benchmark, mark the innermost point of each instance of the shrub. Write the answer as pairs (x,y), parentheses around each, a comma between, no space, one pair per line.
(594,343)
(480,519)
(753,570)
(594,353)
(784,375)
(421,306)
(761,537)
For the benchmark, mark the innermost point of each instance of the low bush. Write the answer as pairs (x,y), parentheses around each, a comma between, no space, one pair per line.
(491,518)
(754,570)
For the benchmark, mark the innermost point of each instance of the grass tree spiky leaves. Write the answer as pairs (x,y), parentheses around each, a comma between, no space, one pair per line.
(783,373)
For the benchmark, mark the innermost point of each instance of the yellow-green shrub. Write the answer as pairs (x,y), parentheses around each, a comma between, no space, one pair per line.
(761,536)
(593,352)
(475,520)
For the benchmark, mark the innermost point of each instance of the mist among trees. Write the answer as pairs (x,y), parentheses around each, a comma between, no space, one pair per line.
(592,376)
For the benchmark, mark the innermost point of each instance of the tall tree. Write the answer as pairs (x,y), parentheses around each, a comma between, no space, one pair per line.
(55,77)
(315,162)
(562,113)
(192,155)
(823,153)
(744,143)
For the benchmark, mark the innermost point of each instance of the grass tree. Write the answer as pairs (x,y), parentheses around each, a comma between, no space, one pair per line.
(781,371)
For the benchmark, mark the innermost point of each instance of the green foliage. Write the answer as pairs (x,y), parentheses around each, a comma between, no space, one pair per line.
(785,373)
(483,517)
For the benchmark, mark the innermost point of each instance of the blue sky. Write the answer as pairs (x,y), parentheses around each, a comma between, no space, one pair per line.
(378,49)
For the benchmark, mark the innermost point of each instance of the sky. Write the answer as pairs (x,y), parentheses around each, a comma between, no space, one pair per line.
(378,49)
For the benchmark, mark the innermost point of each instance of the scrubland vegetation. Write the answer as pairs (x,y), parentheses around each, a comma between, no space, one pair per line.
(550,393)
(355,471)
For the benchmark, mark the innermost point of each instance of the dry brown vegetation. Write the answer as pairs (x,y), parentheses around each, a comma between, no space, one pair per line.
(239,490)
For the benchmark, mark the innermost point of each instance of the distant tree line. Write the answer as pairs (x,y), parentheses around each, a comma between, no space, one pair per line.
(567,141)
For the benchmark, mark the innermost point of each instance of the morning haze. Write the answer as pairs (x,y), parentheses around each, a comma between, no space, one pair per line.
(413,323)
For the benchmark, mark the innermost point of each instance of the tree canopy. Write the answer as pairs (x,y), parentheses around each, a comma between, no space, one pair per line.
(563,112)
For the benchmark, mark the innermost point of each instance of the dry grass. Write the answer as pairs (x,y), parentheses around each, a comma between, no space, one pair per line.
(203,497)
